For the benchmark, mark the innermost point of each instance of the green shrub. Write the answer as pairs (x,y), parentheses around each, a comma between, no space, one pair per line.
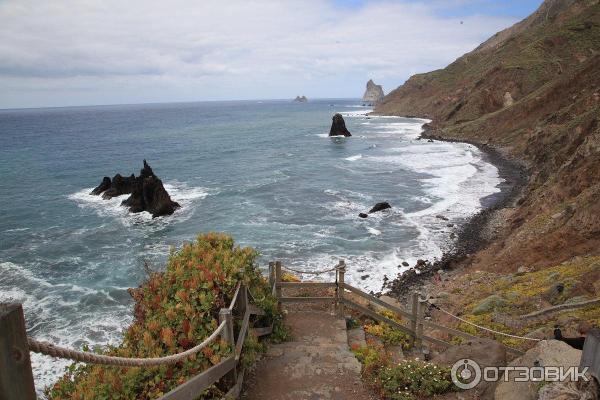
(175,310)
(414,378)
(407,380)
(388,334)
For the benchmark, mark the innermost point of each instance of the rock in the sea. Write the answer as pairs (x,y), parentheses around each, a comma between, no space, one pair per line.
(147,192)
(300,99)
(104,185)
(363,215)
(380,206)
(338,126)
(373,93)
(118,186)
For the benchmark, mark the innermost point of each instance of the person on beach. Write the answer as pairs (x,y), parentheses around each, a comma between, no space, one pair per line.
(575,342)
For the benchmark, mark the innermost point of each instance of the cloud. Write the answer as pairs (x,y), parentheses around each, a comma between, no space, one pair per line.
(90,52)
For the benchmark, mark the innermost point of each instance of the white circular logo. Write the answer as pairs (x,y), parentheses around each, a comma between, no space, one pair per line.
(465,373)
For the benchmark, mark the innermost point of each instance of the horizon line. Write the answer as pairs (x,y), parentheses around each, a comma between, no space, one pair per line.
(291,100)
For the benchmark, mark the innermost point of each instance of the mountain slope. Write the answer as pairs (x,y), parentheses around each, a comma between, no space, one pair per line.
(533,92)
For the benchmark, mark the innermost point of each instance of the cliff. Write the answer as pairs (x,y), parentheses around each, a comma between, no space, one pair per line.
(531,91)
(373,93)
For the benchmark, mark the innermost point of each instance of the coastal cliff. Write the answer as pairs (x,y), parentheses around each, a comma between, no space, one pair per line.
(373,93)
(532,92)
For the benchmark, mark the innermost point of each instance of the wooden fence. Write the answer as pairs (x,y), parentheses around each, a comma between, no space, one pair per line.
(16,377)
(416,328)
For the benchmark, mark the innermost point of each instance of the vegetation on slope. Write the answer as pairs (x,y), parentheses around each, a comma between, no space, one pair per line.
(522,293)
(406,380)
(551,71)
(174,311)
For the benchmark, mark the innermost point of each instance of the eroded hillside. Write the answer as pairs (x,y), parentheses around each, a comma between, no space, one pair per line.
(533,92)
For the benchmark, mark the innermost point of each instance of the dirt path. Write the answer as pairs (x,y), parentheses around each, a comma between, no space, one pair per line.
(317,364)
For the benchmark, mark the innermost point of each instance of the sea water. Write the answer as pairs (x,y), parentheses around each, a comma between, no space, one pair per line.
(265,172)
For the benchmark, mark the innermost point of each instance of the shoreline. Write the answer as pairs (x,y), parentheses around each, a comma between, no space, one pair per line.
(476,233)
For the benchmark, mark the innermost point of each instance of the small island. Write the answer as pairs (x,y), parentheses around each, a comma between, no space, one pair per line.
(338,126)
(373,93)
(300,99)
(147,192)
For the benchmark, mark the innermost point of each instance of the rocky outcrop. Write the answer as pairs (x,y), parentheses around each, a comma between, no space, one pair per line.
(300,99)
(338,126)
(147,192)
(374,93)
(380,207)
(377,207)
(103,186)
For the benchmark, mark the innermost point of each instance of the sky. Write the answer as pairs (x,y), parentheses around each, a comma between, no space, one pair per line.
(62,53)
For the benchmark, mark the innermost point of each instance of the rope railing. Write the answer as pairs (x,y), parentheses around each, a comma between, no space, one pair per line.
(319,272)
(479,326)
(87,357)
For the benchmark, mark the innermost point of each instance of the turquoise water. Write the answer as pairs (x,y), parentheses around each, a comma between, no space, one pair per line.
(265,172)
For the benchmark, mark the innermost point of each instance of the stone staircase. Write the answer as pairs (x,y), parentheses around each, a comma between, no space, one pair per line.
(317,364)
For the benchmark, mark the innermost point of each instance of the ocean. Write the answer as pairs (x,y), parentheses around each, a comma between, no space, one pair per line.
(264,171)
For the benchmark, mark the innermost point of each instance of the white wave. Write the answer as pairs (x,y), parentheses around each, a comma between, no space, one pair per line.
(185,195)
(358,113)
(374,231)
(353,158)
(17,230)
(59,313)
(322,135)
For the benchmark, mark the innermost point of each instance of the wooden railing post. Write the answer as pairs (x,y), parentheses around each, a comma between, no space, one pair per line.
(16,377)
(228,336)
(340,293)
(243,299)
(271,274)
(414,316)
(419,332)
(278,279)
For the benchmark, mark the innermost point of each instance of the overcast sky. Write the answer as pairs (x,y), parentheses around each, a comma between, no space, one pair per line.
(57,53)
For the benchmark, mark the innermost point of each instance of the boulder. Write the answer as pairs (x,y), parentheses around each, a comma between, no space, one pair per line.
(489,304)
(338,126)
(147,192)
(380,206)
(579,390)
(363,215)
(545,353)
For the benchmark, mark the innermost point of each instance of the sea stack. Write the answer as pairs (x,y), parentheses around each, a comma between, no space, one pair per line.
(147,192)
(338,126)
(300,99)
(373,93)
